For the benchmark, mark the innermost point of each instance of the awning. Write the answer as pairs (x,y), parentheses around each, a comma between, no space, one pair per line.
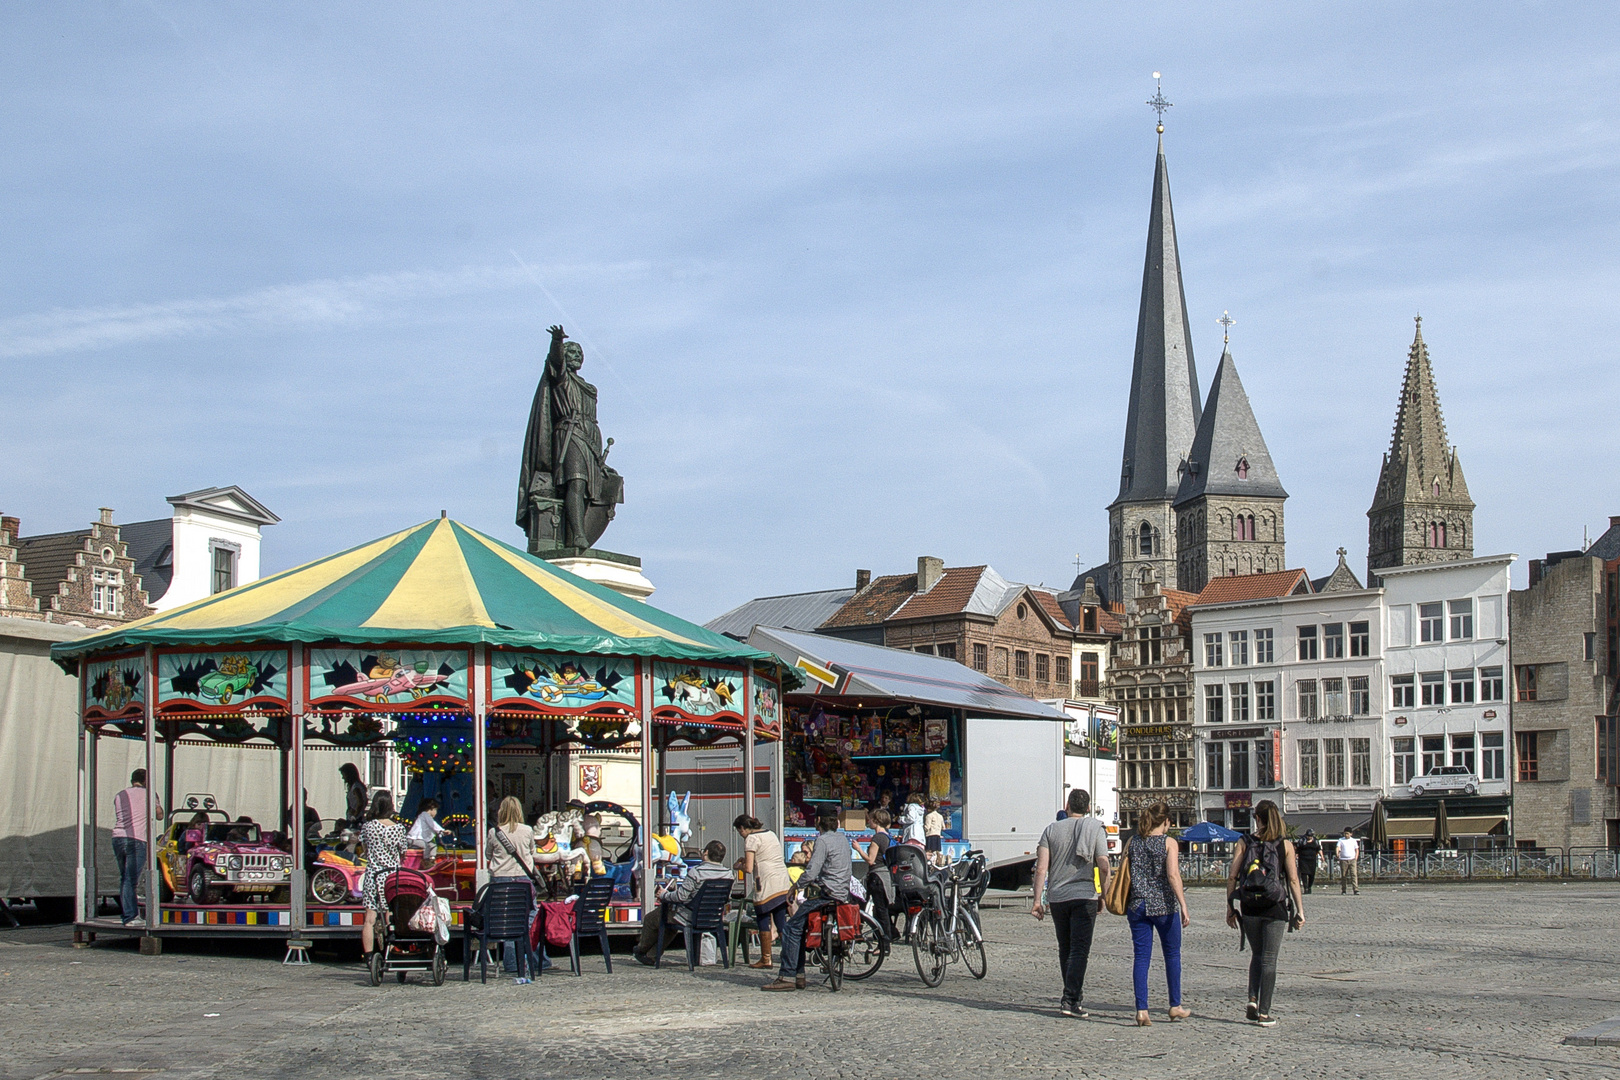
(842,668)
(1423,828)
(1329,825)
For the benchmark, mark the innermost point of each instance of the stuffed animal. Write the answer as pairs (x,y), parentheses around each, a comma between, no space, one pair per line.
(680,823)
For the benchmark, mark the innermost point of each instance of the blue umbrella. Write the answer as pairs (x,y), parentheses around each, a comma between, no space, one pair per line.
(1207,832)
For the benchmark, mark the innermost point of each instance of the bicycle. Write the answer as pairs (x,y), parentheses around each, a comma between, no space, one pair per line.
(947,928)
(828,946)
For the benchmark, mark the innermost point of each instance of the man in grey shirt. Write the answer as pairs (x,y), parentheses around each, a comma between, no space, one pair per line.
(830,871)
(674,910)
(1072,864)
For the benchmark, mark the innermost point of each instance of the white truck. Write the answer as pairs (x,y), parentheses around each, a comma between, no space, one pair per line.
(1012,778)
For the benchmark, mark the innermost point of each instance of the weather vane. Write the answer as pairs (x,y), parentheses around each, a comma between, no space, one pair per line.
(1227,322)
(1157,102)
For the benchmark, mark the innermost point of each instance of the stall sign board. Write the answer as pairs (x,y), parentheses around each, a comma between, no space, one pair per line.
(697,692)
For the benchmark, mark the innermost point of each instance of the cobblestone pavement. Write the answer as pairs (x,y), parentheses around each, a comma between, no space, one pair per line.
(1412,982)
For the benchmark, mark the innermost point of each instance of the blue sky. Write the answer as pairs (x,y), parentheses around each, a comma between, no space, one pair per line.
(855,286)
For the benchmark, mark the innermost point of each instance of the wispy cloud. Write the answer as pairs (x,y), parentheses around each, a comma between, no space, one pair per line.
(326,302)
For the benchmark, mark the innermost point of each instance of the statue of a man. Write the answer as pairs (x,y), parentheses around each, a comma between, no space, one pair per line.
(567,494)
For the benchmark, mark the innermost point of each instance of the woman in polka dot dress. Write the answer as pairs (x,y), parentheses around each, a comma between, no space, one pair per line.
(384,839)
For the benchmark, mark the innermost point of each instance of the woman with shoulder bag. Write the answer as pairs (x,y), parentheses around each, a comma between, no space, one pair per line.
(762,861)
(1157,903)
(1263,896)
(510,851)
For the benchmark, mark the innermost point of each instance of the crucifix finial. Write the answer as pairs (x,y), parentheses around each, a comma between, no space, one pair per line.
(1157,102)
(1227,322)
(1079,563)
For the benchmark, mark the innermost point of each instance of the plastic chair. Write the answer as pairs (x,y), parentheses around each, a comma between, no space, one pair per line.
(705,914)
(502,913)
(590,918)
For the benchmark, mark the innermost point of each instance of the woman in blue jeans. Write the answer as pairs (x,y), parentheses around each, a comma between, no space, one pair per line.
(1157,902)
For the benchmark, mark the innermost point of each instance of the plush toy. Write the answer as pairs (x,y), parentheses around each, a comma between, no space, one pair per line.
(680,823)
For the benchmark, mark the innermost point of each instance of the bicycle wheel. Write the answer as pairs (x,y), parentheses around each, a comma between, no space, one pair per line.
(835,967)
(973,954)
(928,948)
(866,953)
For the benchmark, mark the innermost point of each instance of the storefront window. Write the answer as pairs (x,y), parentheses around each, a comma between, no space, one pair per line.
(849,759)
(1240,765)
(1310,764)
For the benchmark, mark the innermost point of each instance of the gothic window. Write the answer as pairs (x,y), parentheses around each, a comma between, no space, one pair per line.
(1437,488)
(1145,539)
(1243,468)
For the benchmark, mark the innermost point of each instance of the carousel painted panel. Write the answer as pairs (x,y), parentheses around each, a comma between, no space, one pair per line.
(115,689)
(697,694)
(225,694)
(388,678)
(767,708)
(554,700)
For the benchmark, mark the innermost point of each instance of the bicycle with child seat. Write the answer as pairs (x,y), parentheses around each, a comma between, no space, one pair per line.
(829,933)
(947,929)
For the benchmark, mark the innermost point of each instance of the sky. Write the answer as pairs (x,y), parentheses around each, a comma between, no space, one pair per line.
(857,283)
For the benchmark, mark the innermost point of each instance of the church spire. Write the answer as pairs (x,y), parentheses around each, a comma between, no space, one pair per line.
(1421,511)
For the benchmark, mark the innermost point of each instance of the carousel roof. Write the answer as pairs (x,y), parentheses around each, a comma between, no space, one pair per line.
(435,583)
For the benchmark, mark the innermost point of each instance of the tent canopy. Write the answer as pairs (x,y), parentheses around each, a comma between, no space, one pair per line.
(876,671)
(1207,832)
(439,582)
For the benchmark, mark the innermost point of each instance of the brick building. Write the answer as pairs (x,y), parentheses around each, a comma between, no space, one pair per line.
(85,577)
(1563,658)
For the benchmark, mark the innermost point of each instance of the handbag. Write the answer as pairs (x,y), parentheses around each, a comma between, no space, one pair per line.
(1118,896)
(511,849)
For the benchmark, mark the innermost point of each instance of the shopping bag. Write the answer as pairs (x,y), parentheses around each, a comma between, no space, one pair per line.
(441,926)
(708,951)
(1119,885)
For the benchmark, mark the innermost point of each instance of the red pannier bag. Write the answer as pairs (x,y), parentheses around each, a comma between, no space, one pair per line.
(849,922)
(813,923)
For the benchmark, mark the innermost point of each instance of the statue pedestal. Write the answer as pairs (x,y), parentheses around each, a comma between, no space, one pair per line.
(621,573)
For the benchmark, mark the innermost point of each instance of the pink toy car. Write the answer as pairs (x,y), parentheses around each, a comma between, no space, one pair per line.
(214,860)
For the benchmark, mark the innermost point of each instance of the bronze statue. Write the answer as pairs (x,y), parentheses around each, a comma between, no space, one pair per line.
(567,493)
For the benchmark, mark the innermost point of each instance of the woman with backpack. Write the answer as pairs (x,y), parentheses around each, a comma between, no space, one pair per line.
(1263,896)
(1157,903)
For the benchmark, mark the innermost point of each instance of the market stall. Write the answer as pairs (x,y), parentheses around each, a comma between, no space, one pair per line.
(466,657)
(872,722)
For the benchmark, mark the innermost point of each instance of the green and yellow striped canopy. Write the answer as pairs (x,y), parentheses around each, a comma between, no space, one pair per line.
(435,583)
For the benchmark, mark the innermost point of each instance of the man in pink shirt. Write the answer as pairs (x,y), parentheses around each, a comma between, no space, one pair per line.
(131,831)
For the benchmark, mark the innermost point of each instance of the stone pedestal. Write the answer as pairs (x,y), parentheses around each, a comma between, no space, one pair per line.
(621,573)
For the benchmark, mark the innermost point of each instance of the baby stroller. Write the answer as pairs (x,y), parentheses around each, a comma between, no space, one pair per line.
(401,948)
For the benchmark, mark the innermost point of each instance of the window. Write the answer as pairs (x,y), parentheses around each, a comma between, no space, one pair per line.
(1333,758)
(1490,683)
(1431,620)
(1307,643)
(1240,702)
(1525,676)
(1240,765)
(928,649)
(1238,642)
(1333,641)
(105,592)
(981,657)
(1061,674)
(1361,762)
(1434,753)
(1490,756)
(1243,474)
(224,569)
(1212,650)
(1213,703)
(1310,764)
(1462,620)
(1405,759)
(1434,687)
(1360,696)
(1088,672)
(1043,668)
(1020,664)
(1333,703)
(1524,745)
(1307,699)
(1262,647)
(947,649)
(1149,650)
(1145,539)
(1214,759)
(1591,646)
(1462,687)
(1089,623)
(1001,661)
(1263,768)
(1608,747)
(1462,750)
(1360,643)
(1265,700)
(1401,691)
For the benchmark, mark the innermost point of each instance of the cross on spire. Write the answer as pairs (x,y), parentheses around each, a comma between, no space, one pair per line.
(1227,322)
(1157,102)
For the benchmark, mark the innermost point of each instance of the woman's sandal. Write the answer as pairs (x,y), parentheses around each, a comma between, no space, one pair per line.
(1143,1020)
(1177,1014)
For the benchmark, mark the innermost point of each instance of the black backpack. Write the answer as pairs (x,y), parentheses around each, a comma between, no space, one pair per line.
(1261,884)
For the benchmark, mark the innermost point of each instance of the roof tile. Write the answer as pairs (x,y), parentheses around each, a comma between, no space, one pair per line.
(1227,590)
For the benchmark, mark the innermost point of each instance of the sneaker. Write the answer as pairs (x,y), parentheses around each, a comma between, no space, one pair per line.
(137,923)
(1252,1012)
(1265,1021)
(1066,1008)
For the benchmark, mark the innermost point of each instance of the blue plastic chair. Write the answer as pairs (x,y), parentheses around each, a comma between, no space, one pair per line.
(502,913)
(705,914)
(590,918)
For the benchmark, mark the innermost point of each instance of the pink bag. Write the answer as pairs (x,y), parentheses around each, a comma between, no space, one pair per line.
(559,922)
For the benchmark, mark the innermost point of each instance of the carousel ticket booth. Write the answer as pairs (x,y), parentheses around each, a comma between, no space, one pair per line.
(490,672)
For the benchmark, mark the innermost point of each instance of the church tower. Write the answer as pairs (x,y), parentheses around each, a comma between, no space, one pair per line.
(1421,512)
(1163,413)
(1229,506)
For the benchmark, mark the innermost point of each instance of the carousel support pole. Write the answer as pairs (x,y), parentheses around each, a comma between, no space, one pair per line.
(168,765)
(292,774)
(79,907)
(152,945)
(480,696)
(644,693)
(748,740)
(86,877)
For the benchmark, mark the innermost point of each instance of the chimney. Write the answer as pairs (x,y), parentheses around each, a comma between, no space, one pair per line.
(106,515)
(10,526)
(1614,521)
(863,578)
(1090,597)
(929,571)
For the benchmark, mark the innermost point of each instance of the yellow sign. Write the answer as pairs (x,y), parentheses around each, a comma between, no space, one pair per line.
(822,675)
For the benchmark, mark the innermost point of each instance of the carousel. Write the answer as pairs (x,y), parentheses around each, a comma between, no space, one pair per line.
(483,670)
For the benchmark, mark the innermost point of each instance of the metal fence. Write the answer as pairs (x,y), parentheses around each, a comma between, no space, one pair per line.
(1499,864)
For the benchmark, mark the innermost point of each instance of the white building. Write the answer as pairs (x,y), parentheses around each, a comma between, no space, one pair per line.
(1446,667)
(210,544)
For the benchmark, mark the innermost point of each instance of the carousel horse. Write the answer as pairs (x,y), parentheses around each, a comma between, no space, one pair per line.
(561,828)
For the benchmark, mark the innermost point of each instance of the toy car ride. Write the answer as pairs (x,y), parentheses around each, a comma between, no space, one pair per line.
(211,859)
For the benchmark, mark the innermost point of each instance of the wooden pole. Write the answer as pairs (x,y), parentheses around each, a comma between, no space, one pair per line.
(644,692)
(150,944)
(293,770)
(84,878)
(748,740)
(478,681)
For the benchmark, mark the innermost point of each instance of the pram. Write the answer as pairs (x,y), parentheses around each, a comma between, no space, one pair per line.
(400,949)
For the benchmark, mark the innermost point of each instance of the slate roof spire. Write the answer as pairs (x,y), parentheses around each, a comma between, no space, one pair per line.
(1420,456)
(1229,455)
(1164,408)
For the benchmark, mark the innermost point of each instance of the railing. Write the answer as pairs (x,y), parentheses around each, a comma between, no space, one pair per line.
(1496,864)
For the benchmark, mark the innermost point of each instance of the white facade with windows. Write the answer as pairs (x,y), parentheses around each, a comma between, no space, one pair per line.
(1446,671)
(213,544)
(1289,704)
